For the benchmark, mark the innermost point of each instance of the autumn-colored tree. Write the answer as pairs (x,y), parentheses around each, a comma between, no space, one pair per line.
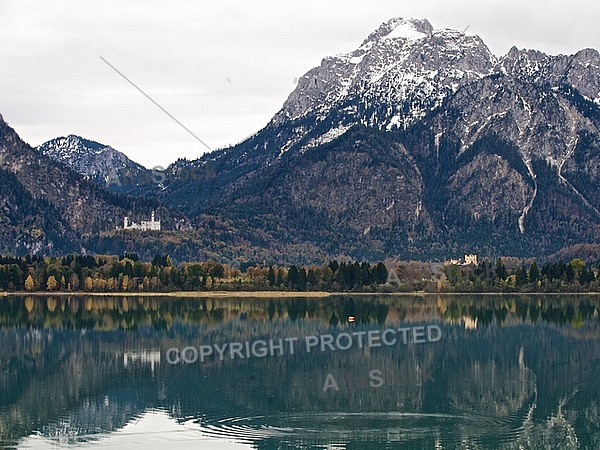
(124,282)
(51,284)
(29,283)
(74,281)
(88,283)
(577,264)
(99,284)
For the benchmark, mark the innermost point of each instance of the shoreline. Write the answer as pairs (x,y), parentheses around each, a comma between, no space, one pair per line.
(277,294)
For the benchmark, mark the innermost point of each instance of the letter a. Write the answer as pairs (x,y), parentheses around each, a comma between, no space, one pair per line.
(330,383)
(113,178)
(393,276)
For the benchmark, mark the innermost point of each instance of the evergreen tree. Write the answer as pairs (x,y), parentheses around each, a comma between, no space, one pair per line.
(302,279)
(381,273)
(501,272)
(569,273)
(534,273)
(334,266)
(521,276)
(281,278)
(272,277)
(292,278)
(313,278)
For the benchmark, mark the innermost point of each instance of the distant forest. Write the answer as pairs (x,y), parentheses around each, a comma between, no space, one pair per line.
(126,273)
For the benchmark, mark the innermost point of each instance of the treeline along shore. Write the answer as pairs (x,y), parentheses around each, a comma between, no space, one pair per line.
(126,273)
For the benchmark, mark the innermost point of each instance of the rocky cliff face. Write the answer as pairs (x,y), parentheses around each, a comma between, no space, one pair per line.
(402,71)
(96,162)
(418,144)
(424,135)
(46,208)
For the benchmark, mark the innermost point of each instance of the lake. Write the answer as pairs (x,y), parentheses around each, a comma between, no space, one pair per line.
(354,372)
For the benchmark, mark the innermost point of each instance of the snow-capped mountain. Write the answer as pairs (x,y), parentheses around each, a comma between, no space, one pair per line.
(418,144)
(93,160)
(426,136)
(401,71)
(47,208)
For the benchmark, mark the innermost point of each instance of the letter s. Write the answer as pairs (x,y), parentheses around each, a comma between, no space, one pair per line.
(158,171)
(372,375)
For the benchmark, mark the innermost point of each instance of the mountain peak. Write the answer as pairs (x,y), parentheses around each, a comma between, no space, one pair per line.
(77,143)
(89,158)
(411,29)
(407,30)
(587,54)
(403,69)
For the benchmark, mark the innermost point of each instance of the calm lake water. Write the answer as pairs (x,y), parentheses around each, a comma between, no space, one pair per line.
(476,372)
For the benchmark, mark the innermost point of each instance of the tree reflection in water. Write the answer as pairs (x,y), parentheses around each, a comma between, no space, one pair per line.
(509,368)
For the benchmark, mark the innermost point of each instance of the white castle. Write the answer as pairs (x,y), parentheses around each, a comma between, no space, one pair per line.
(144,225)
(470,260)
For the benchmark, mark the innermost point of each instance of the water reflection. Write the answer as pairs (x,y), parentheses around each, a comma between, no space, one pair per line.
(510,372)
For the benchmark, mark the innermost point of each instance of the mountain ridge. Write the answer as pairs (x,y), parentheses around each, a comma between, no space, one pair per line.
(495,128)
(48,208)
(419,144)
(91,159)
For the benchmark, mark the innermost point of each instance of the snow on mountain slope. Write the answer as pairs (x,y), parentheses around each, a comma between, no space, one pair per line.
(405,64)
(91,159)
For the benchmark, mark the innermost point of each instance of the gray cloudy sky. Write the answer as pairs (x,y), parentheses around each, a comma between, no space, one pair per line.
(223,68)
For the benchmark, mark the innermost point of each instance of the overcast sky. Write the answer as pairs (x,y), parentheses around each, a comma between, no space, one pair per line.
(222,68)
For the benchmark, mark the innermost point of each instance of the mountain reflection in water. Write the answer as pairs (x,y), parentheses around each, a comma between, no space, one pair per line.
(509,372)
